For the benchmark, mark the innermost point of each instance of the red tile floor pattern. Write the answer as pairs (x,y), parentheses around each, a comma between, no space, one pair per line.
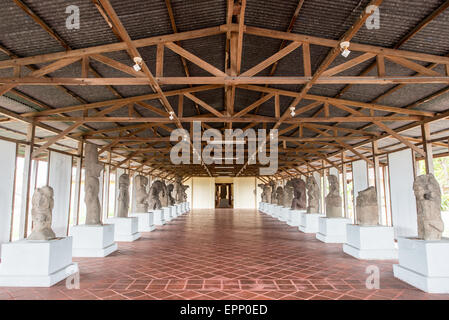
(226,254)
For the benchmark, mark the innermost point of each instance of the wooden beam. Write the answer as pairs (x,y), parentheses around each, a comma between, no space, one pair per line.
(204,104)
(428,152)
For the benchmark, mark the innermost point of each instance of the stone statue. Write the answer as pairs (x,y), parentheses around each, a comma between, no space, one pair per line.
(333,199)
(299,189)
(266,192)
(313,192)
(41,213)
(123,196)
(280,196)
(273,192)
(171,200)
(178,190)
(140,193)
(428,203)
(288,194)
(154,201)
(92,185)
(164,196)
(367,210)
(184,193)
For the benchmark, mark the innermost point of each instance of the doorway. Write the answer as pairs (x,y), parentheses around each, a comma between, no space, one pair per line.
(224,195)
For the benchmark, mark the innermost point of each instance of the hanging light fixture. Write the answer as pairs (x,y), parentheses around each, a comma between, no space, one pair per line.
(137,63)
(292,113)
(344,46)
(171,117)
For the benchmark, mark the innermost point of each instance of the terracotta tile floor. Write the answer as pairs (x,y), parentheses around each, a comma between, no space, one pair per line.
(226,254)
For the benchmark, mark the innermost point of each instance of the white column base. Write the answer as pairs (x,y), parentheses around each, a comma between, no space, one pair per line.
(33,263)
(294,217)
(424,264)
(125,229)
(145,221)
(309,222)
(370,242)
(166,211)
(158,216)
(332,230)
(93,240)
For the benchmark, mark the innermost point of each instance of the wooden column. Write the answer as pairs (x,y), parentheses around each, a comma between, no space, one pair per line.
(107,176)
(425,133)
(26,182)
(79,168)
(345,185)
(377,183)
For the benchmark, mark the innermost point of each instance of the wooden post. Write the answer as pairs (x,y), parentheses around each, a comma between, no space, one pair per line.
(377,183)
(107,176)
(425,133)
(345,185)
(79,168)
(26,182)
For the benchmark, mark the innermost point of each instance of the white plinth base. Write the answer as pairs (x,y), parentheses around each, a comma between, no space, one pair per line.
(173,212)
(93,240)
(424,264)
(370,242)
(183,208)
(166,211)
(277,211)
(332,230)
(294,217)
(187,206)
(145,221)
(158,216)
(178,209)
(268,209)
(284,213)
(32,263)
(125,229)
(261,206)
(309,222)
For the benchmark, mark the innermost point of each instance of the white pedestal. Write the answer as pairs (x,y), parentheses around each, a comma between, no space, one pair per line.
(424,264)
(332,230)
(294,217)
(183,208)
(33,263)
(269,209)
(173,212)
(187,206)
(158,217)
(145,221)
(277,211)
(93,240)
(125,229)
(260,207)
(309,222)
(178,209)
(284,213)
(370,242)
(166,211)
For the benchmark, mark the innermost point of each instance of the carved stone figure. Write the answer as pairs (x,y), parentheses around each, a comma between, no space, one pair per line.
(140,193)
(266,192)
(280,196)
(313,191)
(184,193)
(92,185)
(288,194)
(123,196)
(154,201)
(178,190)
(367,210)
(41,213)
(164,195)
(428,203)
(299,189)
(333,199)
(273,192)
(171,200)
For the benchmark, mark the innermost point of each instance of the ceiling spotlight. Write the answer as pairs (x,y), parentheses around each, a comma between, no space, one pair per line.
(344,46)
(292,113)
(138,63)
(171,117)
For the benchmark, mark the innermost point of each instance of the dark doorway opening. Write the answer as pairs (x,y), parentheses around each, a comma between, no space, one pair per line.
(223,195)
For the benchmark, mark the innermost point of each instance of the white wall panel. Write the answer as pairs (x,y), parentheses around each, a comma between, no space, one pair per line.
(60,179)
(8,165)
(403,202)
(359,177)
(203,193)
(245,193)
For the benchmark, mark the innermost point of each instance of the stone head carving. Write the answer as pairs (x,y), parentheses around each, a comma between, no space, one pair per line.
(280,196)
(266,192)
(428,203)
(288,194)
(184,192)
(164,195)
(154,201)
(123,196)
(367,210)
(92,185)
(299,190)
(273,192)
(171,200)
(140,193)
(41,214)
(334,207)
(313,191)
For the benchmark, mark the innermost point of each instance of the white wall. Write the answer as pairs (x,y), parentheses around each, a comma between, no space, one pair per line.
(8,165)
(245,193)
(203,192)
(359,178)
(403,202)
